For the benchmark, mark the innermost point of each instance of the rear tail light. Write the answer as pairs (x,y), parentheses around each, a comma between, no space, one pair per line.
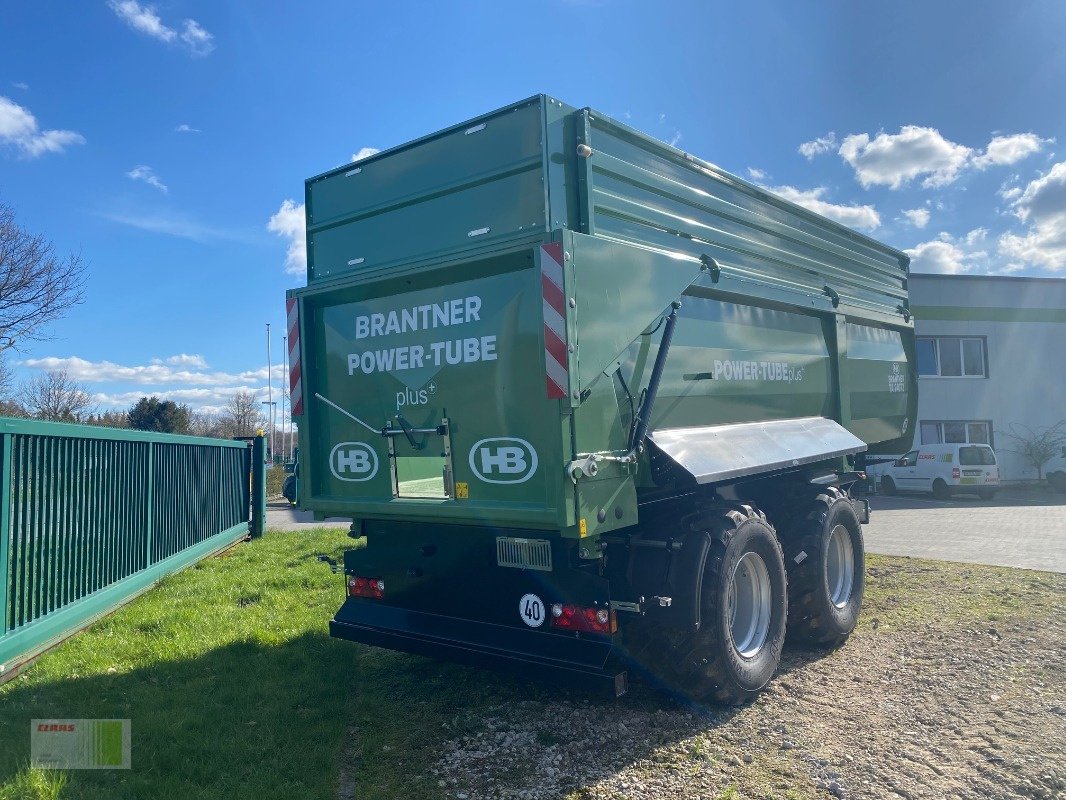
(955,473)
(366,587)
(590,620)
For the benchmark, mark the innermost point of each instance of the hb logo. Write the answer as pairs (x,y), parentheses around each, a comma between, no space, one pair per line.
(503,459)
(353,461)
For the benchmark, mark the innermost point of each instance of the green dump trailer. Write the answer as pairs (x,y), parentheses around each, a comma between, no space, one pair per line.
(595,404)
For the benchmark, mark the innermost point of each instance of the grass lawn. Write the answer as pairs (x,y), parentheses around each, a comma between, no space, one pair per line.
(226,670)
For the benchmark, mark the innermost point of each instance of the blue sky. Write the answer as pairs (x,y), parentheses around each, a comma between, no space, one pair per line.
(162,141)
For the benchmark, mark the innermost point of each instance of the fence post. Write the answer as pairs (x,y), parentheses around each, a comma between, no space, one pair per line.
(5,530)
(151,504)
(259,499)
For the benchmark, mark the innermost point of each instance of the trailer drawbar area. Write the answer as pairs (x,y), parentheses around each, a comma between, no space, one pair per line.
(595,404)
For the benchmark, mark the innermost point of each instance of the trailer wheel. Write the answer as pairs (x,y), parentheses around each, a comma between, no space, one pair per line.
(888,486)
(825,557)
(743,598)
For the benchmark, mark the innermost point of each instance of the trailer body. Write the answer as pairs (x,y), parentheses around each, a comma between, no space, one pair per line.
(483,317)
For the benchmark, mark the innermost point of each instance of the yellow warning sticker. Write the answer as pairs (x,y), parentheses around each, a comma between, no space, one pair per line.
(462,491)
(584,527)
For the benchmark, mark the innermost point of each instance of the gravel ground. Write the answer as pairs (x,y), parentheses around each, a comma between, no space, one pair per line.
(954,686)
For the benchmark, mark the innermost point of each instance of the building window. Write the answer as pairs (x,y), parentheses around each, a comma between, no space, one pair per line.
(956,432)
(952,356)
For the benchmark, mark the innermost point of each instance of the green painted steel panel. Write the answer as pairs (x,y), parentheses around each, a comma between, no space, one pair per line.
(650,194)
(476,183)
(783,314)
(89,515)
(429,349)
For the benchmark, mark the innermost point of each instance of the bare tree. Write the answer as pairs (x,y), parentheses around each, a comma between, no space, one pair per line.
(1036,446)
(203,424)
(242,416)
(6,379)
(36,287)
(13,408)
(57,397)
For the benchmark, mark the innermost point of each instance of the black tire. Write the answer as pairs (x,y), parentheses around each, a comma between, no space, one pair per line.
(941,491)
(888,486)
(1057,481)
(986,494)
(813,616)
(704,664)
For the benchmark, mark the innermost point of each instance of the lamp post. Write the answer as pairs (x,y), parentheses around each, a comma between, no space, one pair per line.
(270,424)
(270,393)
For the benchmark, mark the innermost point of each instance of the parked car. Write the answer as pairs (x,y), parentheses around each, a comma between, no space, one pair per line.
(944,470)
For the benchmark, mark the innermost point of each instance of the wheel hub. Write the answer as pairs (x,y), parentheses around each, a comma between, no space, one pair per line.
(748,605)
(839,566)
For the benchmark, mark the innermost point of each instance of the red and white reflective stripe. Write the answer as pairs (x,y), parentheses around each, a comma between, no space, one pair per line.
(551,283)
(296,397)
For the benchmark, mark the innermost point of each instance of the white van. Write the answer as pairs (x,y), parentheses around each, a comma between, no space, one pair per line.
(943,469)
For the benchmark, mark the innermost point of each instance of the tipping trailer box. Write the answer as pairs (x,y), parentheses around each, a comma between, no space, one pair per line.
(540,335)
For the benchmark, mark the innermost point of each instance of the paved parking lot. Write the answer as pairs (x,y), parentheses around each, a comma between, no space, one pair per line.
(1018,531)
(283,517)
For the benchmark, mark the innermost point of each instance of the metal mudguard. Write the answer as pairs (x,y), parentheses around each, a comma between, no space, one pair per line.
(719,453)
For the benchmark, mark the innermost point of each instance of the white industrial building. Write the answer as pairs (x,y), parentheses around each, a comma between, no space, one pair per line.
(991,351)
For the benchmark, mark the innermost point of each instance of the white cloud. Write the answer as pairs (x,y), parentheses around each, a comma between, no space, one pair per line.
(757,174)
(18,128)
(948,255)
(186,360)
(180,369)
(199,41)
(1042,204)
(815,147)
(184,128)
(894,160)
(676,139)
(144,19)
(211,401)
(180,226)
(364,152)
(289,222)
(938,256)
(1005,150)
(1009,189)
(147,174)
(918,217)
(21,85)
(864,217)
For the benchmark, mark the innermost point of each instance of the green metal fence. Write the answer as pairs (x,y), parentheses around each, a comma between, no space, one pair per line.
(91,516)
